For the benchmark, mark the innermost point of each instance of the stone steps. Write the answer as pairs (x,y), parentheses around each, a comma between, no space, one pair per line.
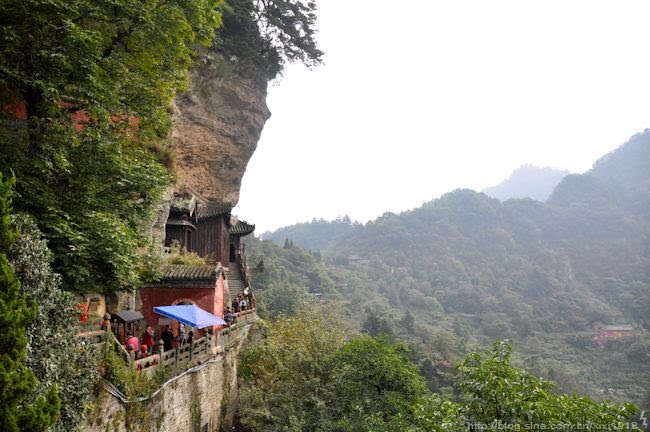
(235,281)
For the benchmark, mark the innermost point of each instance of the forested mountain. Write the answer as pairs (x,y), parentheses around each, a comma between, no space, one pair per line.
(466,269)
(315,235)
(527,182)
(628,165)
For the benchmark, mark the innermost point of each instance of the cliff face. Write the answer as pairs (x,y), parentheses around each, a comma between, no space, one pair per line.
(218,124)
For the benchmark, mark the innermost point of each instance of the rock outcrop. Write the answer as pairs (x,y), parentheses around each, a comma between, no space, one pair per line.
(218,124)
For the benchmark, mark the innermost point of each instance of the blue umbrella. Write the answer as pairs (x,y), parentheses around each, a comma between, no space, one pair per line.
(191,315)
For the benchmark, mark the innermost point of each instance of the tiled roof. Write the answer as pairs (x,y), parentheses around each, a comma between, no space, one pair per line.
(206,211)
(128,316)
(241,228)
(198,276)
(190,273)
(619,328)
(179,222)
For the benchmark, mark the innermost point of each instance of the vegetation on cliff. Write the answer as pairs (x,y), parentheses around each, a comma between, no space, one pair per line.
(268,34)
(58,361)
(95,80)
(85,91)
(21,408)
(85,94)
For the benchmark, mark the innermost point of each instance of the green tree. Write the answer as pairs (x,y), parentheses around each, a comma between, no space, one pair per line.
(282,299)
(302,377)
(500,395)
(376,323)
(58,359)
(18,410)
(96,78)
(408,322)
(287,372)
(269,33)
(377,388)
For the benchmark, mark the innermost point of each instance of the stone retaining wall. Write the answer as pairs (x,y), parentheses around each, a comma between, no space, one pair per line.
(199,399)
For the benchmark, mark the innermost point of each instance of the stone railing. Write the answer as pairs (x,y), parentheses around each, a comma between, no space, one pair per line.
(183,356)
(93,337)
(200,350)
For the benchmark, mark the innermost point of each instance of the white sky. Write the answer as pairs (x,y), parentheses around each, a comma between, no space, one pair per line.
(420,97)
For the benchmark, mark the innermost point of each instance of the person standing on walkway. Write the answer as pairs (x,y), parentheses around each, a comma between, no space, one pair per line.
(168,338)
(147,338)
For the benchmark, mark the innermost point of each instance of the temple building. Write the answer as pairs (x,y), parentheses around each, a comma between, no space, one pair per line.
(209,230)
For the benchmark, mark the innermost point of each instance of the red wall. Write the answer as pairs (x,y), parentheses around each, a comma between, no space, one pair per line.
(218,298)
(210,299)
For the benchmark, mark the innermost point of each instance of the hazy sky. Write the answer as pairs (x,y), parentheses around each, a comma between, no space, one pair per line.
(419,97)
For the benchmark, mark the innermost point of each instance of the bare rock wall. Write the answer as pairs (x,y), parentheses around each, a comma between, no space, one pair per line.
(218,124)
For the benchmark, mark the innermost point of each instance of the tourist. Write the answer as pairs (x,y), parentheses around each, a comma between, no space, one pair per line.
(168,338)
(181,333)
(144,351)
(228,316)
(106,323)
(130,349)
(132,340)
(147,338)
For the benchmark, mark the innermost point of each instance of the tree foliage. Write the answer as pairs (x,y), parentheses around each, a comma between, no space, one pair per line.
(500,394)
(288,372)
(378,388)
(96,80)
(58,359)
(120,57)
(269,33)
(319,383)
(19,411)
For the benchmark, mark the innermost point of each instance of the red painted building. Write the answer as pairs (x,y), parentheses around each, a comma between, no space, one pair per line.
(182,284)
(604,333)
(209,230)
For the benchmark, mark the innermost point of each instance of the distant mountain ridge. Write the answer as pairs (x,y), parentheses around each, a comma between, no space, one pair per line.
(470,269)
(316,235)
(628,165)
(528,181)
(621,178)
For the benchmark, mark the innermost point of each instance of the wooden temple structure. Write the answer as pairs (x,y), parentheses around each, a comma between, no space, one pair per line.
(213,233)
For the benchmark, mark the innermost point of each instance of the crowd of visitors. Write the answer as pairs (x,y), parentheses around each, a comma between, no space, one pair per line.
(147,344)
(243,302)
